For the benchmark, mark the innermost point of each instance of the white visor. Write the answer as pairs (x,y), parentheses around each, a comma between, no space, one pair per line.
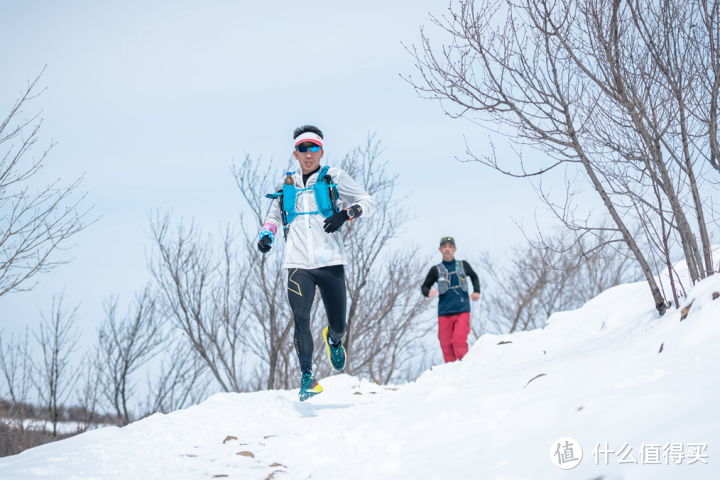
(309,137)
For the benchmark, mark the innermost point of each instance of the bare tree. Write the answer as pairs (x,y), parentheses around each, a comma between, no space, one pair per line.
(268,307)
(605,88)
(385,307)
(126,345)
(246,311)
(203,294)
(58,338)
(33,224)
(385,319)
(705,59)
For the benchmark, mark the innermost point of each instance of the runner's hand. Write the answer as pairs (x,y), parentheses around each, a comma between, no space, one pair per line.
(432,293)
(264,244)
(335,221)
(475,297)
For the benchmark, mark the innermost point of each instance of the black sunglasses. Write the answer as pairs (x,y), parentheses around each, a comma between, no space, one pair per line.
(304,148)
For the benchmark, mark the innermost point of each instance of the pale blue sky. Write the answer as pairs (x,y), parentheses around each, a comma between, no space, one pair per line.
(153,100)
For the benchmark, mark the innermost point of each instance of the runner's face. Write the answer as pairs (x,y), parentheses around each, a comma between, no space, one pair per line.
(309,161)
(448,251)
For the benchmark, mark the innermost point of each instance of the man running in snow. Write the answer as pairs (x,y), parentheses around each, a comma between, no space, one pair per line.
(314,253)
(454,305)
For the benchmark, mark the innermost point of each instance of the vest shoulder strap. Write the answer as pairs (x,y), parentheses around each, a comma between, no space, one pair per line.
(462,277)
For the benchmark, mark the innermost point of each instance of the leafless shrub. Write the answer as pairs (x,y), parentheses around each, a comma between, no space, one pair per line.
(561,273)
(478,314)
(90,391)
(18,431)
(17,370)
(14,440)
(58,338)
(126,345)
(32,224)
(22,423)
(388,321)
(181,381)
(203,294)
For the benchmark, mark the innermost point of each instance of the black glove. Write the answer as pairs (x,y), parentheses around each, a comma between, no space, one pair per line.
(335,221)
(264,244)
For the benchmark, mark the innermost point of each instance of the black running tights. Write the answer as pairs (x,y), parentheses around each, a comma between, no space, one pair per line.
(301,293)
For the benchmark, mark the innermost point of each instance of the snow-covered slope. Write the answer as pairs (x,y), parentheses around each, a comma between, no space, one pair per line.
(611,372)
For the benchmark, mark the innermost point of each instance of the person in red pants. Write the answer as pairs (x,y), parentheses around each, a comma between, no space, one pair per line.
(451,277)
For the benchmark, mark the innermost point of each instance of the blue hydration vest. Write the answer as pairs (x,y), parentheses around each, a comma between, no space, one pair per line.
(326,195)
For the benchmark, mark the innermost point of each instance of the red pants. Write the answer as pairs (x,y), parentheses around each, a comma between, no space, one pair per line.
(453,332)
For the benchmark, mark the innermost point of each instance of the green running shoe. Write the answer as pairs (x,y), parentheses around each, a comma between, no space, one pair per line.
(309,387)
(336,355)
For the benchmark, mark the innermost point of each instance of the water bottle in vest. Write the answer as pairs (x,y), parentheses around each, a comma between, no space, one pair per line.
(442,284)
(289,180)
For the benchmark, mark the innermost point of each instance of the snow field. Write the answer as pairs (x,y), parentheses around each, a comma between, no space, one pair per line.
(595,374)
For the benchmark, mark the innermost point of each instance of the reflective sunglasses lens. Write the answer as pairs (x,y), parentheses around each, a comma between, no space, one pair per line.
(304,149)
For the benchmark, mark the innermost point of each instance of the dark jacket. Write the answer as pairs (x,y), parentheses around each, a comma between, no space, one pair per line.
(455,300)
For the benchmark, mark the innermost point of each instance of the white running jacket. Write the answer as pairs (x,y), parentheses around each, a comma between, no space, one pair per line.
(308,246)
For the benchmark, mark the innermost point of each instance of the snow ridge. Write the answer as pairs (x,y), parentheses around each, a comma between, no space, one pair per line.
(610,372)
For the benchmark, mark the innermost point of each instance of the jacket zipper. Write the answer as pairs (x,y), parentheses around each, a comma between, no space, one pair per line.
(311,256)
